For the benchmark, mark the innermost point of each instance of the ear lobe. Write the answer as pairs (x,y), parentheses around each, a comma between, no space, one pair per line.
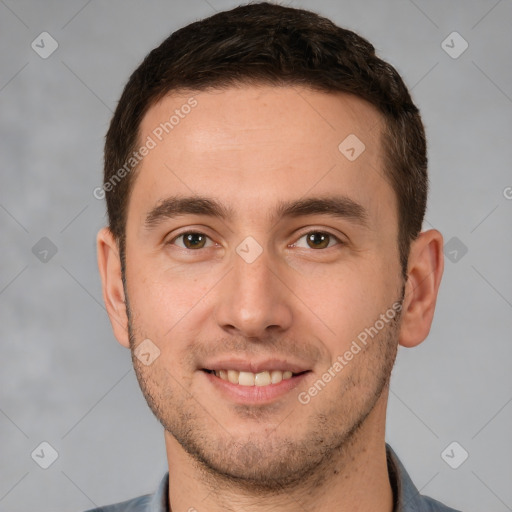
(425,269)
(109,265)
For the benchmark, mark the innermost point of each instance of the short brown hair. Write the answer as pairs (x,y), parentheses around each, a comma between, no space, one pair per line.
(264,43)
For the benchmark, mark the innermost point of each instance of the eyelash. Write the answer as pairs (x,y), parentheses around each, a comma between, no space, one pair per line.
(192,232)
(189,232)
(318,231)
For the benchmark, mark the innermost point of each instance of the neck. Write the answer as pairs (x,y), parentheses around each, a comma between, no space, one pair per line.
(354,479)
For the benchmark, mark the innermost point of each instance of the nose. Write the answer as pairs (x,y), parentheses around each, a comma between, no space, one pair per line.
(253,301)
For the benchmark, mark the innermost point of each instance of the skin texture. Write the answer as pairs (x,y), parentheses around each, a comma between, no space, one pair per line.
(251,148)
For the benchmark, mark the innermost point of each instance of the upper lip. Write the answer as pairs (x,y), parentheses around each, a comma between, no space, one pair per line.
(254,366)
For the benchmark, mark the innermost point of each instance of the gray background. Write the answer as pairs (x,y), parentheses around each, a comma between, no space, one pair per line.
(63,377)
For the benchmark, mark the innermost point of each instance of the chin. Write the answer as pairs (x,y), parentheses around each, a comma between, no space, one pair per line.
(262,463)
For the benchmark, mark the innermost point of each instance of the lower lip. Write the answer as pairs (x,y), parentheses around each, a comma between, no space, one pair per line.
(255,394)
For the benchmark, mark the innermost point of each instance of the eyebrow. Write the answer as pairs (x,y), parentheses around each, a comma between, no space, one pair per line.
(335,206)
(175,206)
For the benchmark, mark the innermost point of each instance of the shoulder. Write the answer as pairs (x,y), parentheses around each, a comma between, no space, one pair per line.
(431,505)
(157,502)
(407,497)
(138,504)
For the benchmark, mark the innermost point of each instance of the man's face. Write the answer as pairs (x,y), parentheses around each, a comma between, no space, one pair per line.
(276,284)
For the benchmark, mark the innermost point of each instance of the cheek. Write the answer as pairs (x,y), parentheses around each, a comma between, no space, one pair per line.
(171,303)
(159,298)
(345,300)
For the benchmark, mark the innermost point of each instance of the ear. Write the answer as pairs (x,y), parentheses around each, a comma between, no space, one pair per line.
(425,269)
(109,264)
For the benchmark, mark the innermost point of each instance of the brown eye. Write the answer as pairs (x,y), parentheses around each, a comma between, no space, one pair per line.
(318,240)
(191,240)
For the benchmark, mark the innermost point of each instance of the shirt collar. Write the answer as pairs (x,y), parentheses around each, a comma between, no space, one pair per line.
(160,500)
(406,497)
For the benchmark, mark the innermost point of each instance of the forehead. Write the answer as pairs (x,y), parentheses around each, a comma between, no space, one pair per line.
(250,146)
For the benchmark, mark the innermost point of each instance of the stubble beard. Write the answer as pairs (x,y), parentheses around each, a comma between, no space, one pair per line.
(270,462)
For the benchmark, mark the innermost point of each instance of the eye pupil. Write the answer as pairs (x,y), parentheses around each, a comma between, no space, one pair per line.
(194,240)
(318,240)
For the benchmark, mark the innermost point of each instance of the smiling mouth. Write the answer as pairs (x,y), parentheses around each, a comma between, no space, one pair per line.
(261,379)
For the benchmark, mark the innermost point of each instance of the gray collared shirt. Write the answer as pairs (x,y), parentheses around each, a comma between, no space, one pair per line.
(407,497)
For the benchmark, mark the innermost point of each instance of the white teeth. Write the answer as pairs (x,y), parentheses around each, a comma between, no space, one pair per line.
(253,379)
(276,376)
(246,379)
(262,379)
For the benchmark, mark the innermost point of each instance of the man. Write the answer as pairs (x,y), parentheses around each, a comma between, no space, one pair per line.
(265,178)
